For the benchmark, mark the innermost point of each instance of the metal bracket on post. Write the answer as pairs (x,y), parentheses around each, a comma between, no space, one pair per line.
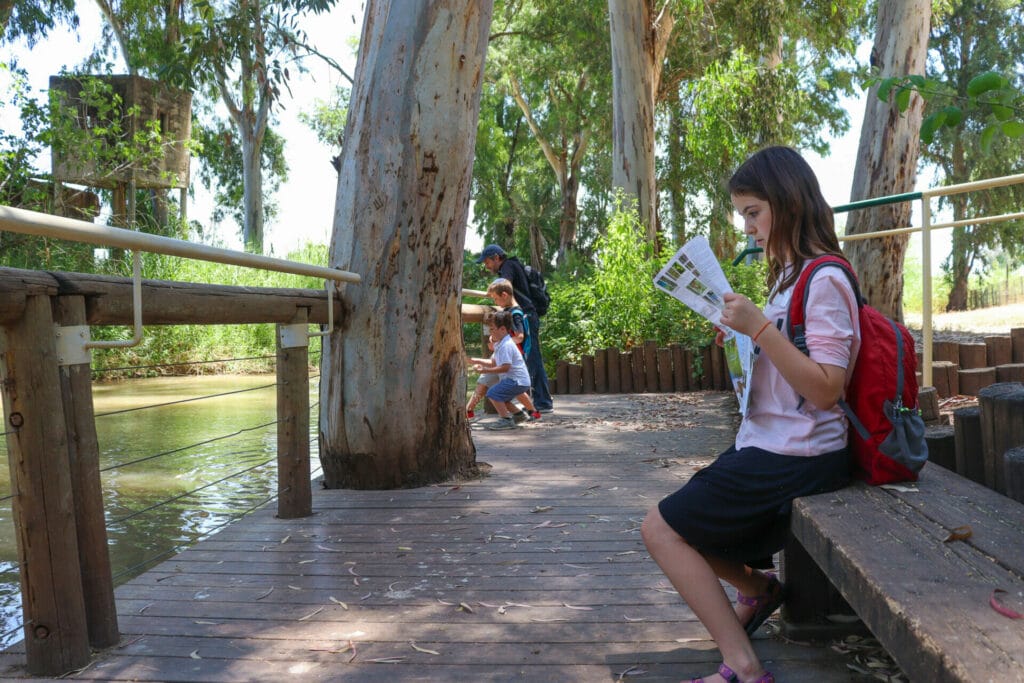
(294,336)
(330,311)
(71,344)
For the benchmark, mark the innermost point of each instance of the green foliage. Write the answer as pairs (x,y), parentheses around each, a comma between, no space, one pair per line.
(183,344)
(617,305)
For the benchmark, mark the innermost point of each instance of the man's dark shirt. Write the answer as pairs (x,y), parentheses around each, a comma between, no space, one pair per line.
(513,271)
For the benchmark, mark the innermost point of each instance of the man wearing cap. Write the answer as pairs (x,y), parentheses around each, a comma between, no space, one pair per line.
(500,264)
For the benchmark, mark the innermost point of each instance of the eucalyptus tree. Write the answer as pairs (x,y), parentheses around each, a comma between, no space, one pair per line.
(770,73)
(972,39)
(545,57)
(393,378)
(887,155)
(33,19)
(239,52)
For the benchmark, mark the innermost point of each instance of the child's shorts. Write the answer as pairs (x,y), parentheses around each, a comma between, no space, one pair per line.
(506,390)
(488,379)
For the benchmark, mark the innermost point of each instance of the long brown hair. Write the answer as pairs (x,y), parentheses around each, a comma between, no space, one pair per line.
(802,224)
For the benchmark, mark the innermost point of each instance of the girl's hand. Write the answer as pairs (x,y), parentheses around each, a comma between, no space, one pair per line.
(741,314)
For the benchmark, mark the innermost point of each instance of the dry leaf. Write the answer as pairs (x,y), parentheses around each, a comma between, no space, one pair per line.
(423,649)
(306,561)
(263,595)
(285,540)
(211,623)
(338,602)
(463,607)
(579,607)
(294,588)
(194,654)
(960,533)
(542,508)
(315,612)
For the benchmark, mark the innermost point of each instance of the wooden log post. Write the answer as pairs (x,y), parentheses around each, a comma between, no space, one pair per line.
(1007,429)
(562,376)
(1017,344)
(601,371)
(56,633)
(613,358)
(941,442)
(294,493)
(651,370)
(1014,463)
(626,373)
(589,382)
(84,467)
(972,381)
(639,369)
(946,351)
(680,368)
(994,440)
(1010,372)
(944,375)
(666,376)
(574,375)
(706,371)
(970,461)
(973,355)
(928,402)
(998,350)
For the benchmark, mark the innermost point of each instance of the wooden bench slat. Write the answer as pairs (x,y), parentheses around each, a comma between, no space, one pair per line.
(927,601)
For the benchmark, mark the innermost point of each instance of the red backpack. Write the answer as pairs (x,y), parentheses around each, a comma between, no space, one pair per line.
(887,435)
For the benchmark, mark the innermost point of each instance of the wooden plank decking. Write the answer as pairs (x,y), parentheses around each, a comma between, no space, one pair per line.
(534,573)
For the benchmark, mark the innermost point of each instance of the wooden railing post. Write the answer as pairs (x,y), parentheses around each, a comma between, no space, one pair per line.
(295,496)
(84,459)
(56,635)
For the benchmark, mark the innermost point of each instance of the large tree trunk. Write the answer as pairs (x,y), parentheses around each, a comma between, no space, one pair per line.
(393,380)
(639,39)
(887,157)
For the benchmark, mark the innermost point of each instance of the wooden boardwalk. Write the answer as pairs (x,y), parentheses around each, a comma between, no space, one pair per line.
(536,572)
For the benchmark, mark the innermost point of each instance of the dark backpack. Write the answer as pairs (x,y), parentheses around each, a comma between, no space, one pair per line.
(538,290)
(887,435)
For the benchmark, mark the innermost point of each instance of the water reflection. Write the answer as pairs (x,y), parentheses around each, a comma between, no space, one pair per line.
(167,471)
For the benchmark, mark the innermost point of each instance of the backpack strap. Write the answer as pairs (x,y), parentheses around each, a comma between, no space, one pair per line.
(797,314)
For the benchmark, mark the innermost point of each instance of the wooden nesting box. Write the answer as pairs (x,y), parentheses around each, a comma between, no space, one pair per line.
(169,107)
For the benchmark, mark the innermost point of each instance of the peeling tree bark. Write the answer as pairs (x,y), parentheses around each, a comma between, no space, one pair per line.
(393,381)
(639,36)
(888,153)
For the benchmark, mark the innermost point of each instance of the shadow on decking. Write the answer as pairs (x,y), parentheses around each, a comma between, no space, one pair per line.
(535,572)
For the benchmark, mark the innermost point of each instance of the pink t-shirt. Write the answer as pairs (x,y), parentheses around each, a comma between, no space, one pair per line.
(777,420)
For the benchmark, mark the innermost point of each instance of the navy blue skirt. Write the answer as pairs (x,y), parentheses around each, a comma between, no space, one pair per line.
(738,507)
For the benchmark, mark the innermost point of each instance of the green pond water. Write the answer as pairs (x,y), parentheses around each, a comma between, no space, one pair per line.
(157,457)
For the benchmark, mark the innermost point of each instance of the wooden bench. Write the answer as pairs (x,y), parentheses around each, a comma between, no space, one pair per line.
(925,597)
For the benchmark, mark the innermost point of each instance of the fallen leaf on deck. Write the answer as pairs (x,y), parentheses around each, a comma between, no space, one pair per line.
(306,561)
(635,670)
(386,660)
(543,524)
(579,607)
(543,508)
(897,487)
(285,540)
(211,623)
(423,649)
(146,607)
(961,533)
(629,618)
(315,612)
(338,602)
(194,654)
(263,595)
(463,607)
(294,588)
(1001,608)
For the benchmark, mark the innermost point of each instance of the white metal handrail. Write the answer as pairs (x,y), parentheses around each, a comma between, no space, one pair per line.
(46,225)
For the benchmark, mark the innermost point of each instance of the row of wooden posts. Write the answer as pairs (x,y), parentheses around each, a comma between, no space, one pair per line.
(66,583)
(957,368)
(985,443)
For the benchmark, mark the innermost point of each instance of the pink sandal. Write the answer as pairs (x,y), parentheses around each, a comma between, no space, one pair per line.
(730,676)
(764,605)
